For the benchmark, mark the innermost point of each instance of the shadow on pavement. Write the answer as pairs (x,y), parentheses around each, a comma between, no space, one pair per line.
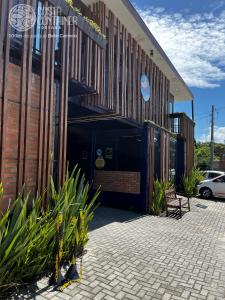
(106,215)
(214,199)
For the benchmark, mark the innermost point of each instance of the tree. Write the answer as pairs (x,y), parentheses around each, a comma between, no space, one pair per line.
(202,154)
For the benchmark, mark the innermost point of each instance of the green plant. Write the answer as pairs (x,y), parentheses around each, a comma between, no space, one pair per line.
(158,198)
(28,237)
(91,22)
(188,185)
(94,25)
(158,203)
(198,176)
(69,2)
(191,181)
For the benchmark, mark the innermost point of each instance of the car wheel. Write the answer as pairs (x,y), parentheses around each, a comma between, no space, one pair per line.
(206,193)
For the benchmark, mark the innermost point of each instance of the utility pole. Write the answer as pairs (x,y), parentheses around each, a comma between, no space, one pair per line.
(212,138)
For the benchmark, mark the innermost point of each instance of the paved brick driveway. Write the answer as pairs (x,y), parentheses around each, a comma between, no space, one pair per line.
(145,257)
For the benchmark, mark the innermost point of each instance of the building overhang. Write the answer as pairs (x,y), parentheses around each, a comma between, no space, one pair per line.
(129,17)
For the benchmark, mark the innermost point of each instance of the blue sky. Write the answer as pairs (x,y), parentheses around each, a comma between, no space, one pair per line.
(192,33)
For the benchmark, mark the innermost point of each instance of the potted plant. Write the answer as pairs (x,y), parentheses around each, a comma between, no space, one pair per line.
(87,25)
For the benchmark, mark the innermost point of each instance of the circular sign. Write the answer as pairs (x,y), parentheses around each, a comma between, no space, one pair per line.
(145,88)
(100,163)
(22,17)
(99,152)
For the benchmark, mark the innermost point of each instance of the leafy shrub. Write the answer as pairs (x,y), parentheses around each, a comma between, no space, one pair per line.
(28,238)
(190,183)
(91,22)
(158,203)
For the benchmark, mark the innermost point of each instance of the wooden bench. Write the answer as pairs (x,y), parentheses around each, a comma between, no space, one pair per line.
(172,201)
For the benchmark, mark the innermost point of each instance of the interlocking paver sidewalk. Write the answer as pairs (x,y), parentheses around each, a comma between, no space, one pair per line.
(144,257)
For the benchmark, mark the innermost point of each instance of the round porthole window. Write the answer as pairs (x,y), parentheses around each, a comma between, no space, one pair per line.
(145,87)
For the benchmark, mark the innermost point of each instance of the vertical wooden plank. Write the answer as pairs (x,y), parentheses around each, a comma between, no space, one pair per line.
(118,71)
(129,78)
(98,70)
(134,80)
(154,93)
(80,37)
(91,61)
(4,9)
(103,57)
(76,52)
(87,61)
(111,59)
(4,38)
(138,103)
(152,90)
(22,111)
(28,98)
(150,164)
(147,104)
(123,98)
(163,100)
(66,104)
(61,117)
(162,155)
(46,108)
(143,61)
(125,72)
(62,146)
(50,110)
(109,78)
(157,97)
(41,112)
(72,52)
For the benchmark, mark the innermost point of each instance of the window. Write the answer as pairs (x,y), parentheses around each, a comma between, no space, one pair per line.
(213,175)
(37,29)
(175,125)
(172,163)
(220,180)
(171,106)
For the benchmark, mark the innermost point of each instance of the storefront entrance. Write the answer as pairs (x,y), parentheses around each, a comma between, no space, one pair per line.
(112,155)
(112,159)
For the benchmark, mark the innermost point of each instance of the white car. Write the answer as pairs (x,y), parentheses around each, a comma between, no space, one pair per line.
(212,187)
(212,174)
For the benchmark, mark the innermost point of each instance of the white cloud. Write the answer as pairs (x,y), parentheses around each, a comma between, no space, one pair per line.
(219,135)
(194,43)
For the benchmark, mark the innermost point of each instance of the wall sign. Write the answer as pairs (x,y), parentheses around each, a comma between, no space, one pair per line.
(109,153)
(145,87)
(100,163)
(99,152)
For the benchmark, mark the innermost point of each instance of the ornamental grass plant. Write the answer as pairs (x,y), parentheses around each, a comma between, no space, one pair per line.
(158,203)
(28,232)
(190,183)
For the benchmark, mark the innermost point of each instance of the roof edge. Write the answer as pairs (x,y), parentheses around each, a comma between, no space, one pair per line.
(146,30)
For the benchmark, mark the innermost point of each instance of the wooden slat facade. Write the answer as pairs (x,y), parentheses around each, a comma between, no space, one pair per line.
(29,96)
(185,130)
(124,62)
(28,101)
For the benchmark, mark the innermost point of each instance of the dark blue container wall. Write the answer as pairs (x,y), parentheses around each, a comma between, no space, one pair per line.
(135,202)
(180,164)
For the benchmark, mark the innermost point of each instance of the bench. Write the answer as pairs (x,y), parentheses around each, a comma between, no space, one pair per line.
(172,201)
